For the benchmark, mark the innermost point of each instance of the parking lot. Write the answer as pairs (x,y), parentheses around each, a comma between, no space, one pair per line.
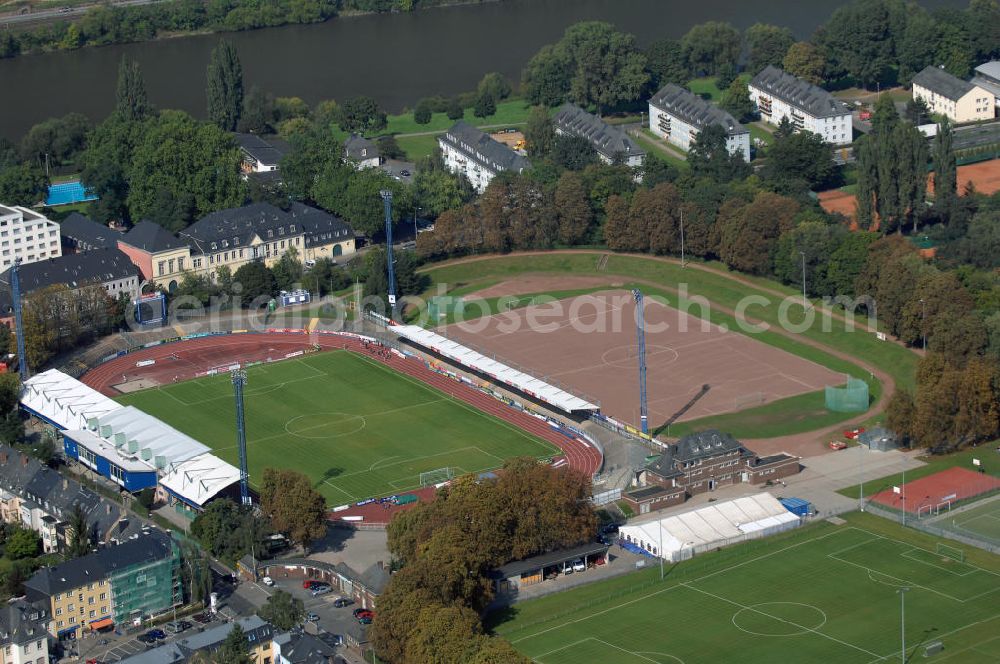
(116,646)
(339,621)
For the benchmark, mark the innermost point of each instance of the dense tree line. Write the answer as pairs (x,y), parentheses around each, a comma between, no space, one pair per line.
(430,611)
(104,25)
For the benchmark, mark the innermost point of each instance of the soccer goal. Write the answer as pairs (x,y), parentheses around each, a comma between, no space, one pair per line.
(433,477)
(952,552)
(749,399)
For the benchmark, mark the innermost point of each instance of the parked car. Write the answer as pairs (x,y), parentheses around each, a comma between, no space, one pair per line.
(341,602)
(854,433)
(405,173)
(838,445)
(152,636)
(172,628)
(364,616)
(312,617)
(320,590)
(202,618)
(184,624)
(309,583)
(579,565)
(268,581)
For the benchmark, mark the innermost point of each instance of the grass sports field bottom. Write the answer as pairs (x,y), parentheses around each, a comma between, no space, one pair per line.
(824,593)
(981,521)
(355,427)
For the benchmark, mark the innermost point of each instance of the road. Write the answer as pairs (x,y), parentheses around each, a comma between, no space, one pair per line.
(64,12)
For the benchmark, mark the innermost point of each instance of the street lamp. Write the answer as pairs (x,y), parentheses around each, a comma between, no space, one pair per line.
(682,237)
(803,254)
(415,211)
(923,322)
(902,622)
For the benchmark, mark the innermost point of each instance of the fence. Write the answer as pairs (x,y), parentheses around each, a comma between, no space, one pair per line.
(931,529)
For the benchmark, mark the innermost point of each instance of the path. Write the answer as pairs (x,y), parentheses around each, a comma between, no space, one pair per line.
(655,144)
(434,132)
(803,444)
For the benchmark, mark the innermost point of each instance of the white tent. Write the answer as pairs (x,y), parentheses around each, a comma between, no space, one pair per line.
(152,440)
(63,400)
(683,535)
(199,479)
(499,371)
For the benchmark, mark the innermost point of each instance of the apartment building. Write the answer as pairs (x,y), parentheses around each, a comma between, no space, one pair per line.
(27,235)
(949,95)
(159,255)
(23,637)
(778,96)
(468,151)
(678,115)
(611,143)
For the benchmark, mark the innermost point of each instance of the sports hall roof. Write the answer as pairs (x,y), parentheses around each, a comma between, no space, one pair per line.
(152,440)
(533,387)
(64,400)
(199,479)
(714,525)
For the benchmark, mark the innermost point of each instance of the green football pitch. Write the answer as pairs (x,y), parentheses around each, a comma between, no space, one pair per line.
(823,593)
(355,427)
(981,521)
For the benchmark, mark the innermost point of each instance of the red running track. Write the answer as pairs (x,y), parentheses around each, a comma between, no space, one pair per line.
(184,360)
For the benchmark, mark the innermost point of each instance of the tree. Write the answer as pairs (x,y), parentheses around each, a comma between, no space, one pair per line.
(573,152)
(900,414)
(797,161)
(225,86)
(131,103)
(806,61)
(736,100)
(312,153)
(768,45)
(22,543)
(59,140)
(258,112)
(288,270)
(422,113)
(545,80)
(916,111)
(228,531)
(815,240)
(257,281)
(539,135)
(858,41)
(23,185)
(749,236)
(282,610)
(437,190)
(495,85)
(710,46)
(361,115)
(293,505)
(234,650)
(573,208)
(709,156)
(441,635)
(79,542)
(666,64)
(486,105)
(945,170)
(454,110)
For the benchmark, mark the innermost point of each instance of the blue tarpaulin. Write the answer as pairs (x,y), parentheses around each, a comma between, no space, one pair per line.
(797,506)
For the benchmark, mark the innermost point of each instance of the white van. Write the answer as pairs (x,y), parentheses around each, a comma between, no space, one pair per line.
(579,566)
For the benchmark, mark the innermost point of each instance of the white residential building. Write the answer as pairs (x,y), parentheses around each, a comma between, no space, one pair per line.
(23,637)
(611,143)
(26,235)
(949,95)
(362,152)
(987,76)
(779,95)
(475,155)
(678,115)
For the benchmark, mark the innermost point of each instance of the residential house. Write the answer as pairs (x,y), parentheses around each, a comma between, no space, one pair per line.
(35,496)
(778,96)
(361,152)
(679,115)
(468,151)
(611,143)
(27,235)
(159,255)
(302,648)
(260,641)
(705,461)
(117,585)
(987,77)
(80,233)
(260,231)
(108,268)
(259,155)
(23,638)
(949,95)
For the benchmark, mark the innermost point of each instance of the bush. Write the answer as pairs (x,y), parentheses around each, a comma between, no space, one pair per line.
(455,110)
(422,113)
(147,497)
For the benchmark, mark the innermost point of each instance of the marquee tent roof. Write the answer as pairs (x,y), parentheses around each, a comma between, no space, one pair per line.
(64,400)
(148,437)
(714,525)
(197,480)
(533,387)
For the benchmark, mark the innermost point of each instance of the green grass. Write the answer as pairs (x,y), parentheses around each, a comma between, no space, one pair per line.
(355,427)
(822,593)
(653,145)
(706,87)
(982,522)
(416,147)
(986,454)
(509,112)
(758,133)
(895,360)
(797,414)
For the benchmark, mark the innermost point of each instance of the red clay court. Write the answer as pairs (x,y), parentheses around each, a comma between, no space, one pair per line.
(938,491)
(590,347)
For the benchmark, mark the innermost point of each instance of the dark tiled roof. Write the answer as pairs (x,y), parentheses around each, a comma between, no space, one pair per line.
(86,233)
(320,226)
(939,81)
(151,237)
(694,110)
(700,445)
(807,97)
(358,148)
(609,141)
(73,270)
(547,559)
(21,623)
(151,545)
(478,146)
(374,579)
(651,491)
(302,648)
(267,152)
(237,227)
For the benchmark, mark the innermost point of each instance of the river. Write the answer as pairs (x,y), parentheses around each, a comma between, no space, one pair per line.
(395,58)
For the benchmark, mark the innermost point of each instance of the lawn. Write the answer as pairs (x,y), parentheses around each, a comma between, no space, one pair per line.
(416,147)
(822,593)
(656,147)
(509,112)
(705,87)
(355,427)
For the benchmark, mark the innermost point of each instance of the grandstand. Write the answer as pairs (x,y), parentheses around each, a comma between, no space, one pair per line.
(63,401)
(679,537)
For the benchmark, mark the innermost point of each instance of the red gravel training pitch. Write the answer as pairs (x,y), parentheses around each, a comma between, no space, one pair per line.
(938,490)
(589,346)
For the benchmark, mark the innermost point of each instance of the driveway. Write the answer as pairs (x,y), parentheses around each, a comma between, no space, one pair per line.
(397,167)
(339,621)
